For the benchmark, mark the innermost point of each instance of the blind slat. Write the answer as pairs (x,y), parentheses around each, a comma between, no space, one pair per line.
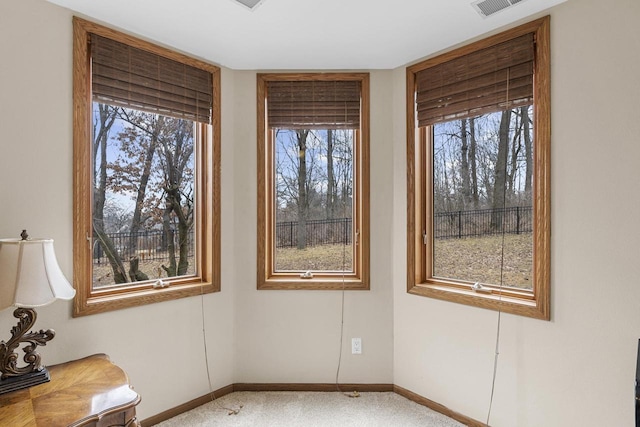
(313,104)
(129,77)
(468,108)
(488,80)
(124,91)
(480,82)
(483,96)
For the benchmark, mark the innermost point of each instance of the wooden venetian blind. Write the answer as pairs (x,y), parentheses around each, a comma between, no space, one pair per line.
(313,104)
(492,79)
(126,76)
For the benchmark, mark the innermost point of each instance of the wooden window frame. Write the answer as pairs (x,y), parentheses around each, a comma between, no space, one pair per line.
(534,303)
(267,278)
(207,279)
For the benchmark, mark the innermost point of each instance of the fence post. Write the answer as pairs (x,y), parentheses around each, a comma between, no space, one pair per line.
(344,233)
(290,233)
(459,224)
(517,219)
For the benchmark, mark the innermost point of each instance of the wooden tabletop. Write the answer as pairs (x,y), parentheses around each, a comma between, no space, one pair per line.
(80,392)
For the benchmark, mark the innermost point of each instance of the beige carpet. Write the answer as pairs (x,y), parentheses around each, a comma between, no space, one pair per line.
(311,409)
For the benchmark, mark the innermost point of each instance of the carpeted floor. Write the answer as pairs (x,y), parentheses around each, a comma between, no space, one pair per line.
(311,409)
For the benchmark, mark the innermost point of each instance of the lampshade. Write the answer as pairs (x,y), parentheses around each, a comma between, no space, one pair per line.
(29,274)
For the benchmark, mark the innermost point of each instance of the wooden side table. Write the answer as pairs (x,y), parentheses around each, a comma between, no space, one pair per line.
(86,392)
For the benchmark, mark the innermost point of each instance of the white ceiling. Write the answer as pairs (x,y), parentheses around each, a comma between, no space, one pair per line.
(304,34)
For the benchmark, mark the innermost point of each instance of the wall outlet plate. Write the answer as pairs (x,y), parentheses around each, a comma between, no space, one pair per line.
(356,346)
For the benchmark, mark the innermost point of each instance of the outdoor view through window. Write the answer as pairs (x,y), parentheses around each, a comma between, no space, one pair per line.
(482,198)
(144,193)
(314,199)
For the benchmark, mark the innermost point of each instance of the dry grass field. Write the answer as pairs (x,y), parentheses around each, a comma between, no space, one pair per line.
(472,259)
(478,259)
(323,257)
(103,275)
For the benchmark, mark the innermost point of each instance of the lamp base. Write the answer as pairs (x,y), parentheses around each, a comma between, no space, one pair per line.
(16,377)
(24,381)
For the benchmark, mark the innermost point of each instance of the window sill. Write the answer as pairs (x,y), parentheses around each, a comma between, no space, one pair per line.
(318,283)
(101,302)
(518,303)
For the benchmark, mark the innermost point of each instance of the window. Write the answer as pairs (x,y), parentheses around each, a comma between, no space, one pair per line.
(478,153)
(146,176)
(313,181)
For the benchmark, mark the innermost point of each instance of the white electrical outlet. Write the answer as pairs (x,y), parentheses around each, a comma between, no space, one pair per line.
(356,346)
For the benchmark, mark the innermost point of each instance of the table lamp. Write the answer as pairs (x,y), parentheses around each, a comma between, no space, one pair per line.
(29,277)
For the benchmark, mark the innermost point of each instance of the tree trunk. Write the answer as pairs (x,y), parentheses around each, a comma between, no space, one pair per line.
(500,172)
(100,144)
(183,248)
(180,267)
(136,220)
(119,272)
(106,117)
(474,165)
(516,146)
(447,192)
(171,247)
(134,273)
(302,189)
(528,148)
(344,147)
(464,163)
(331,185)
(175,160)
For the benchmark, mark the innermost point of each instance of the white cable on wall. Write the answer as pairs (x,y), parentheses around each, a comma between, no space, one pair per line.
(214,400)
(344,264)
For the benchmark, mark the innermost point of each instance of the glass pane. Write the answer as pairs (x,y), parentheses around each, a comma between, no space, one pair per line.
(482,199)
(313,200)
(143,196)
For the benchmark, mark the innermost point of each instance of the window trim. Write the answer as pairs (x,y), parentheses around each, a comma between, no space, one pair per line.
(89,301)
(535,303)
(267,278)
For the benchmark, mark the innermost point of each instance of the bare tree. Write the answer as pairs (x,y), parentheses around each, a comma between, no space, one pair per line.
(331,182)
(154,166)
(313,176)
(102,123)
(343,167)
(528,148)
(176,155)
(516,146)
(481,162)
(302,187)
(474,164)
(464,163)
(138,142)
(500,172)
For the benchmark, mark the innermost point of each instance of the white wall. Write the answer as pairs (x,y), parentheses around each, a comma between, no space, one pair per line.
(160,345)
(294,336)
(578,369)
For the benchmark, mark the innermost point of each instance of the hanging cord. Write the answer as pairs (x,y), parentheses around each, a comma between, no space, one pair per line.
(497,350)
(504,206)
(344,262)
(344,267)
(214,400)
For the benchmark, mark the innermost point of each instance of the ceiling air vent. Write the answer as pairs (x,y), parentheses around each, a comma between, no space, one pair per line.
(487,8)
(250,4)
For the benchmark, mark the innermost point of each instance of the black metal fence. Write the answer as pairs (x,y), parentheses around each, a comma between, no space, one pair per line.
(446,225)
(319,232)
(151,246)
(459,224)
